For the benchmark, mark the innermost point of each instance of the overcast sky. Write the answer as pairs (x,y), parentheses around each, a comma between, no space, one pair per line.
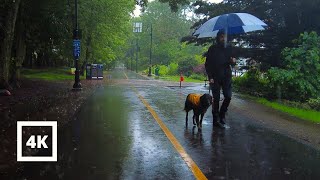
(137,10)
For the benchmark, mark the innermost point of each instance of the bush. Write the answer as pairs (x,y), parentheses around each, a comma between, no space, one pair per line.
(173,69)
(146,71)
(253,83)
(163,70)
(299,78)
(198,77)
(186,66)
(314,103)
(296,104)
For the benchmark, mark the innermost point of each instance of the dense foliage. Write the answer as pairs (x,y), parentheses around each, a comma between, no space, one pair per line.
(296,80)
(299,77)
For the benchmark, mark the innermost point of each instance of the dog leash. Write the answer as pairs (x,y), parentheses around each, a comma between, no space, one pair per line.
(210,85)
(210,88)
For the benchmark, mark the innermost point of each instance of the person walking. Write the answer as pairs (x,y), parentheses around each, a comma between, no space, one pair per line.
(219,60)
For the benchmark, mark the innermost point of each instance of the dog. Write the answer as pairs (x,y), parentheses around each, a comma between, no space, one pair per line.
(199,104)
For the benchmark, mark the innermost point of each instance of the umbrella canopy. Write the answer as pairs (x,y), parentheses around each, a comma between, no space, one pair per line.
(233,23)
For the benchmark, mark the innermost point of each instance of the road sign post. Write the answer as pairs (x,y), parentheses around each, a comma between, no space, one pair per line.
(76,50)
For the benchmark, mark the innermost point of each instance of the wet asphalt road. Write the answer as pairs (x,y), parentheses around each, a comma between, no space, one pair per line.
(115,137)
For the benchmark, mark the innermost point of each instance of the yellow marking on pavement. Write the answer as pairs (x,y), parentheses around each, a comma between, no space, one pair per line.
(192,165)
(125,75)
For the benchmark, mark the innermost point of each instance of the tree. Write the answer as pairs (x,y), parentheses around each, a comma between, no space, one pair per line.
(174,4)
(299,78)
(168,28)
(105,24)
(7,42)
(39,33)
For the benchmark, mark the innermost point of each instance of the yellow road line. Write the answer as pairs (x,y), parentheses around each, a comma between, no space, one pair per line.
(125,75)
(192,165)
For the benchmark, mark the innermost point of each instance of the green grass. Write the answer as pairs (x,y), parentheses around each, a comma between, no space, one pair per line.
(177,79)
(49,74)
(309,115)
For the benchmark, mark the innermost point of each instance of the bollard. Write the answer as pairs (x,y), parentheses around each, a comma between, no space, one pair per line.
(181,79)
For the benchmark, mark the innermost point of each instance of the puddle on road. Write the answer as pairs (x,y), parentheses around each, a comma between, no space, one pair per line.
(191,89)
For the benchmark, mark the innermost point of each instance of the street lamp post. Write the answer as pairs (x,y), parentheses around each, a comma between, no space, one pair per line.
(76,49)
(137,45)
(137,28)
(132,55)
(150,65)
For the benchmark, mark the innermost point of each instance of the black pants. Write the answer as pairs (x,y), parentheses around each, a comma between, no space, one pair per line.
(225,84)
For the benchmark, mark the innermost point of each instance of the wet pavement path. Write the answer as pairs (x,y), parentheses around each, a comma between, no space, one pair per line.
(116,137)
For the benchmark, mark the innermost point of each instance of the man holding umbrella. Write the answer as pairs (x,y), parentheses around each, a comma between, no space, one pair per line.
(218,66)
(219,57)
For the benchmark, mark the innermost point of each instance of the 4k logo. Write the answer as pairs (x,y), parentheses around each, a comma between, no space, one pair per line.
(37,136)
(40,141)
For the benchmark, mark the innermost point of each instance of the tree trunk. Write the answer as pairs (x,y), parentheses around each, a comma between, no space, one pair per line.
(20,50)
(6,47)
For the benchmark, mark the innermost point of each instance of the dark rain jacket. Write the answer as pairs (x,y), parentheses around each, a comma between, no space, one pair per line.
(218,61)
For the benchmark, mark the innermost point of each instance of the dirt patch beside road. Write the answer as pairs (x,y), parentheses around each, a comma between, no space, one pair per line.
(38,100)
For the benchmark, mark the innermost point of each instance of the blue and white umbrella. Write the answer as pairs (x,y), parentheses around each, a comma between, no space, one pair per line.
(233,23)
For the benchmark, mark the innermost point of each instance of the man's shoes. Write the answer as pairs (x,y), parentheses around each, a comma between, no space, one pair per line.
(217,121)
(222,118)
(215,117)
(223,121)
(219,125)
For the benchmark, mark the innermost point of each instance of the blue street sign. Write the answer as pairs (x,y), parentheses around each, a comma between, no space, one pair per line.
(76,48)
